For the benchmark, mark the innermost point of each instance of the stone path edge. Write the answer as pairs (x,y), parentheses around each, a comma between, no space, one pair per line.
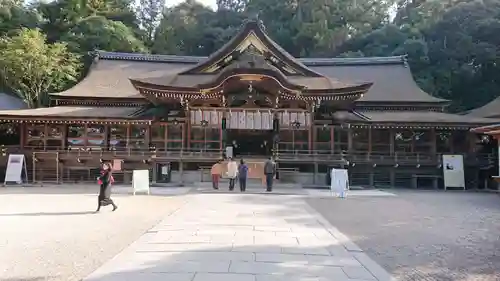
(375,269)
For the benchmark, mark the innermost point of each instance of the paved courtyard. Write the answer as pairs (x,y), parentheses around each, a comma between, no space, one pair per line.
(53,234)
(190,234)
(452,236)
(242,237)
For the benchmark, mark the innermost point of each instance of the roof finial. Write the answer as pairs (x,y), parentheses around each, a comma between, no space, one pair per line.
(255,18)
(259,21)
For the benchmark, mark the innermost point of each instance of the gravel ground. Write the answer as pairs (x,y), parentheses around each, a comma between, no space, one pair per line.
(53,234)
(451,236)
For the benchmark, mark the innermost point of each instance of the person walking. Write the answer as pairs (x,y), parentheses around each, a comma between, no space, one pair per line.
(269,171)
(105,180)
(232,172)
(242,175)
(216,172)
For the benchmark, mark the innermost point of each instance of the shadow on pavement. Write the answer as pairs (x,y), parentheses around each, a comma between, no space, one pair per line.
(25,279)
(47,214)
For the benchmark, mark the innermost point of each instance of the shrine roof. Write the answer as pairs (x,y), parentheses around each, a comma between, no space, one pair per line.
(493,129)
(109,76)
(190,60)
(489,110)
(425,117)
(193,80)
(83,113)
(8,102)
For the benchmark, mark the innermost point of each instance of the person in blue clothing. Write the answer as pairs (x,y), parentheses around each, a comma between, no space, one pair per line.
(242,175)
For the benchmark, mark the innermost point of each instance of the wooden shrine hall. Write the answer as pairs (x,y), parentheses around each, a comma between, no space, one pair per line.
(176,115)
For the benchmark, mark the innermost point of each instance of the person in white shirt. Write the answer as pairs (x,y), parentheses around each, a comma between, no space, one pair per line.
(232,172)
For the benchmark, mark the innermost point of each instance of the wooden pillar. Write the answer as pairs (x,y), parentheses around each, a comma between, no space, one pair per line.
(186,130)
(391,141)
(22,135)
(147,136)
(312,131)
(167,126)
(128,136)
(433,141)
(349,140)
(412,143)
(332,138)
(451,143)
(185,127)
(64,136)
(315,172)
(45,134)
(369,140)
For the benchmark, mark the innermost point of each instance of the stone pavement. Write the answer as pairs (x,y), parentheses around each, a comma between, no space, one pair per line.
(240,237)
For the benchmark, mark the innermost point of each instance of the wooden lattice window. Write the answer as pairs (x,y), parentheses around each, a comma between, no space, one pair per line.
(294,140)
(138,137)
(381,141)
(423,141)
(175,136)
(323,143)
(55,136)
(96,136)
(76,136)
(205,138)
(117,137)
(159,136)
(360,139)
(340,140)
(35,136)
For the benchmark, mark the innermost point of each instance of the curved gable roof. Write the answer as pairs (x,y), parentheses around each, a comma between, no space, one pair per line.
(391,77)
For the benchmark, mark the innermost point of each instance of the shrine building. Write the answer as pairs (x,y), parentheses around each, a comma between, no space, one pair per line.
(177,115)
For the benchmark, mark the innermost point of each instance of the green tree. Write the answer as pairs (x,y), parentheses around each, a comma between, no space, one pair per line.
(15,15)
(31,67)
(149,14)
(183,30)
(99,33)
(60,16)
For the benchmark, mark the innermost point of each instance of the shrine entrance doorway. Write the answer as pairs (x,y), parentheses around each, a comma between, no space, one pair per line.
(250,143)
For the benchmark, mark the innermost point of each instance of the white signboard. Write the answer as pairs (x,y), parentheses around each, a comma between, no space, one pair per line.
(339,182)
(140,181)
(15,169)
(229,152)
(453,171)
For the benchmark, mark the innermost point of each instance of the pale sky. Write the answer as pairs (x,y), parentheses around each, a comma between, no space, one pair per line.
(210,3)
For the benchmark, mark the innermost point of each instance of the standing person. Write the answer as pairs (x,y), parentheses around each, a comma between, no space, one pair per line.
(269,171)
(232,172)
(216,172)
(242,175)
(105,180)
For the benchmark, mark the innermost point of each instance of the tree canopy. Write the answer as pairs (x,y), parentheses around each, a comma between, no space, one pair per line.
(31,68)
(451,45)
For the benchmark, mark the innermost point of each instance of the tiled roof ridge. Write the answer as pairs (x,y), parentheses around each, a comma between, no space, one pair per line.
(196,59)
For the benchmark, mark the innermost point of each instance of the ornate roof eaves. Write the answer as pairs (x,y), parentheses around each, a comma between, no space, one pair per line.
(104,55)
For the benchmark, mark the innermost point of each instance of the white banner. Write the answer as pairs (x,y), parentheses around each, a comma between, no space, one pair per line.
(453,171)
(140,181)
(15,168)
(339,182)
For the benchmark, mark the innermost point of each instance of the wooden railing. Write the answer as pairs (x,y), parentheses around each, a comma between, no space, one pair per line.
(282,155)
